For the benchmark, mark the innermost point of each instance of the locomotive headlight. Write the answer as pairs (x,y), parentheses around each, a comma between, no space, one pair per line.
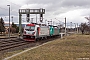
(24,32)
(33,33)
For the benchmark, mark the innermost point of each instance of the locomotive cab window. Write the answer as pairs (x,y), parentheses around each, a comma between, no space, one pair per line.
(30,28)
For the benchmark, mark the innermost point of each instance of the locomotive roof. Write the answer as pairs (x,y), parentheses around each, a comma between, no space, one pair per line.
(30,25)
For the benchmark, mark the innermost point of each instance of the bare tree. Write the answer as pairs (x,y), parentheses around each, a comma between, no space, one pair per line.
(88,29)
(88,18)
(83,27)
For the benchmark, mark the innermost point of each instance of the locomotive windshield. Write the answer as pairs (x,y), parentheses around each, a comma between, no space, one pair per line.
(30,28)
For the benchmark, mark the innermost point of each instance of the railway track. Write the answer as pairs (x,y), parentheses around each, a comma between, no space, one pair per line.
(8,44)
(18,44)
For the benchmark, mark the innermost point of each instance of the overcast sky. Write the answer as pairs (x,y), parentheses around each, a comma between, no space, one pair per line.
(74,10)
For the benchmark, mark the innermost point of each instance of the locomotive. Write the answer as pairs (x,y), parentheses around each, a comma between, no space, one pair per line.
(32,32)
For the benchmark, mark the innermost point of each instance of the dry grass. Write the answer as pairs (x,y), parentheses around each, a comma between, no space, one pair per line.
(69,48)
(3,55)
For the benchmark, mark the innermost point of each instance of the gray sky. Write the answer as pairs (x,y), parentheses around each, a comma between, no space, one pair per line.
(73,10)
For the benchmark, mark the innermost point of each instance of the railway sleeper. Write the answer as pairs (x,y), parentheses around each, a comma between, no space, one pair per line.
(12,46)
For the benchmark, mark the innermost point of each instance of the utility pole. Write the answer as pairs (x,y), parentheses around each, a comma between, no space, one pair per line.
(12,19)
(65,26)
(51,21)
(32,20)
(9,20)
(77,27)
(36,18)
(45,21)
(71,26)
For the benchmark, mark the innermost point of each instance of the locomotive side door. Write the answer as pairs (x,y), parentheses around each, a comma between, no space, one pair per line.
(37,34)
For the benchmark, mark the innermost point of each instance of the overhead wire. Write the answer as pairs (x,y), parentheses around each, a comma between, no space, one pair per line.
(3,8)
(1,14)
(11,9)
(7,9)
(13,3)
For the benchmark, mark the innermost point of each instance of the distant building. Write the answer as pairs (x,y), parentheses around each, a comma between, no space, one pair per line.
(6,25)
(23,24)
